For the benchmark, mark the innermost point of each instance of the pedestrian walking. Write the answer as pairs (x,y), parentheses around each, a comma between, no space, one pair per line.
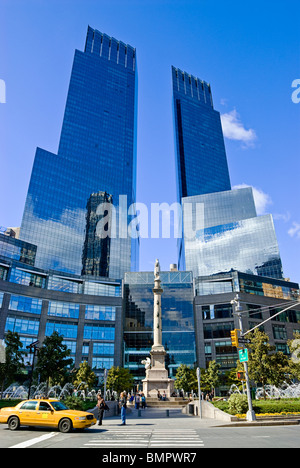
(123,406)
(143,401)
(101,405)
(137,400)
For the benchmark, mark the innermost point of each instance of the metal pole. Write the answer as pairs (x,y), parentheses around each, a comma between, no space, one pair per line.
(199,391)
(104,390)
(238,309)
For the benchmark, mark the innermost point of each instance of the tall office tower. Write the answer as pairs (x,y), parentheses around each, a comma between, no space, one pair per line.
(221,229)
(200,150)
(97,153)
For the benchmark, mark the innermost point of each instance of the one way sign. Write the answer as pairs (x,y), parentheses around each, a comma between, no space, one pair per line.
(2,352)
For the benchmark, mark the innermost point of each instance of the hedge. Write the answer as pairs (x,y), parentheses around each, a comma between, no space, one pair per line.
(267,406)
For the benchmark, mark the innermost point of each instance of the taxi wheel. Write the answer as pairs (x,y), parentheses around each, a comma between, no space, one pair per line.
(65,425)
(13,423)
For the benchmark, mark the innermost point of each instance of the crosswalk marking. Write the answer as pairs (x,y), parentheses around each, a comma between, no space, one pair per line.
(173,438)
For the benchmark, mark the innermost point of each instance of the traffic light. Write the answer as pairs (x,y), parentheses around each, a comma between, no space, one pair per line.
(234,338)
(241,375)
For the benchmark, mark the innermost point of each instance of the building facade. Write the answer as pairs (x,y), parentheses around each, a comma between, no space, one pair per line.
(86,311)
(231,236)
(178,330)
(260,297)
(107,322)
(97,152)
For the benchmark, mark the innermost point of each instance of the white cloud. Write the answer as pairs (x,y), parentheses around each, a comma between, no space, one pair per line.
(294,231)
(261,199)
(285,217)
(234,129)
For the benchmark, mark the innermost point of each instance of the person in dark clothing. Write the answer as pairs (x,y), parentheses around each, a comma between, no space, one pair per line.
(101,405)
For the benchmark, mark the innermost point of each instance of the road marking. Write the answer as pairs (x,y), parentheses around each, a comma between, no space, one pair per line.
(36,440)
(147,438)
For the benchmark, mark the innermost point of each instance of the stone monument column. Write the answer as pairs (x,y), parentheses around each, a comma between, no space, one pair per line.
(157,321)
(156,373)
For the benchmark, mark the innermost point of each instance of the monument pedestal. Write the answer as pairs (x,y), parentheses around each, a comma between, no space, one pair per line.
(157,377)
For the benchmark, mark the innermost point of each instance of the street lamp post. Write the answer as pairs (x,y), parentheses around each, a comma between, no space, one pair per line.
(35,348)
(199,391)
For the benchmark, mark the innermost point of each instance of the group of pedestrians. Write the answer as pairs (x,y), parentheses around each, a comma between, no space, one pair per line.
(138,399)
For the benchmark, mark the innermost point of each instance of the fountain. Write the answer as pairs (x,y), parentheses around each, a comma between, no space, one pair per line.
(272,392)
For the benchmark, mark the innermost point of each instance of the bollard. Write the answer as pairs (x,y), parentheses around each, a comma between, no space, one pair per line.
(139,413)
(168,413)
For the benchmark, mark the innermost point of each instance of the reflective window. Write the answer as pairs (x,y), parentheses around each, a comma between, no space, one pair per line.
(25,304)
(22,325)
(63,309)
(66,329)
(96,312)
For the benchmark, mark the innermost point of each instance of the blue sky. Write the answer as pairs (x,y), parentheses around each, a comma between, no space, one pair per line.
(248,51)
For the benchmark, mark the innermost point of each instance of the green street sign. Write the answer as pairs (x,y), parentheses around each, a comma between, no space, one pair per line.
(243,355)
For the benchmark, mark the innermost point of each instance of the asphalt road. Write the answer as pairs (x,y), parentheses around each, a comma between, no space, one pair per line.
(154,431)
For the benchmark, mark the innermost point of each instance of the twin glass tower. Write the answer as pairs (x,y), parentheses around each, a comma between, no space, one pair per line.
(96,164)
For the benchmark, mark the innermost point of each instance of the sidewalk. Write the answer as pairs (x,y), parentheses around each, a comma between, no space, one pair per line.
(165,419)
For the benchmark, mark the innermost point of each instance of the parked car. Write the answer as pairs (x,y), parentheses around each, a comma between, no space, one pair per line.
(47,413)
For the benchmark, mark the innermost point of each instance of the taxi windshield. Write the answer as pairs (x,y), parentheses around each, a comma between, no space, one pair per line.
(59,406)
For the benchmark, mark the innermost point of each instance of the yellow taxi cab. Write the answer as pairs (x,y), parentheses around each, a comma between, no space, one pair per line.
(50,413)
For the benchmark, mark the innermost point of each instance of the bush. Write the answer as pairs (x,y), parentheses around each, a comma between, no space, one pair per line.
(238,404)
(75,403)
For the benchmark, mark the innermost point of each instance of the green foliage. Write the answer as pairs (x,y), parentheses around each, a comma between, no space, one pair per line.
(264,406)
(212,376)
(75,403)
(276,406)
(86,375)
(119,379)
(266,366)
(184,378)
(237,404)
(14,364)
(294,362)
(53,360)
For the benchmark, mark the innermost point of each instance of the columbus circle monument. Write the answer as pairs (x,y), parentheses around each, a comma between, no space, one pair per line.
(157,378)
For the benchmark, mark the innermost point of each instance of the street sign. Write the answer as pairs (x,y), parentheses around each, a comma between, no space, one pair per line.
(33,345)
(243,355)
(244,341)
(2,352)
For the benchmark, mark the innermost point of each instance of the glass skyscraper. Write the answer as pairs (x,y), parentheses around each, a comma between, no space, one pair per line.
(200,150)
(229,234)
(97,153)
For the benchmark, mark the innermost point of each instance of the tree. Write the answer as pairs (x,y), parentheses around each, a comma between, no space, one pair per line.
(183,378)
(119,379)
(53,360)
(212,376)
(266,366)
(294,362)
(14,362)
(85,375)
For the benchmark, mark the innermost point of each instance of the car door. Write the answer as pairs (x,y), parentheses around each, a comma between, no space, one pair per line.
(27,412)
(45,414)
